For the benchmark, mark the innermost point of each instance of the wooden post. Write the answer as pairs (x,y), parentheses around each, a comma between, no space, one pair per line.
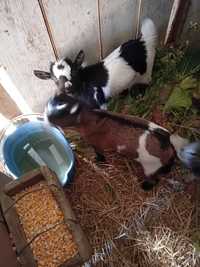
(176,21)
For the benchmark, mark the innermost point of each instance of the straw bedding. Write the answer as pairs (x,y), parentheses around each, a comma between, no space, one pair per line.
(129,227)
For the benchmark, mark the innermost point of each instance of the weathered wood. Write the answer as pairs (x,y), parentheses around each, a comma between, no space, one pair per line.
(118,22)
(7,254)
(25,46)
(84,249)
(193,17)
(176,21)
(159,12)
(74,26)
(4,179)
(17,185)
(19,237)
(8,107)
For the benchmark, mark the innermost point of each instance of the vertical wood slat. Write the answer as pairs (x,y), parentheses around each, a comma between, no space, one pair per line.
(159,11)
(193,16)
(25,46)
(176,22)
(119,22)
(74,27)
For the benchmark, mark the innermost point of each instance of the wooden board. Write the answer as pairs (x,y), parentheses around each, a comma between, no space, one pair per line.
(4,179)
(159,11)
(7,255)
(118,22)
(74,26)
(8,107)
(24,47)
(193,16)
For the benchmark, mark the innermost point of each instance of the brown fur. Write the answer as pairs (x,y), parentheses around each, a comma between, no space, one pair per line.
(106,134)
(153,147)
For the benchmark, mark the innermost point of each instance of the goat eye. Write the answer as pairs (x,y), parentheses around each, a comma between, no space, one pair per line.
(61,106)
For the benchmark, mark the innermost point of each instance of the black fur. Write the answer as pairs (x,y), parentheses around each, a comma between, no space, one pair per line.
(100,157)
(163,136)
(149,184)
(134,52)
(138,90)
(60,67)
(86,95)
(167,168)
(59,100)
(152,181)
(94,75)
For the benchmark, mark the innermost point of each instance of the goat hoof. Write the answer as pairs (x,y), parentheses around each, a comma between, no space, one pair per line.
(124,93)
(138,91)
(100,158)
(149,184)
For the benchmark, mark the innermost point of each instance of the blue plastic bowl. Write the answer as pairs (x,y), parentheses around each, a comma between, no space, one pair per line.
(28,143)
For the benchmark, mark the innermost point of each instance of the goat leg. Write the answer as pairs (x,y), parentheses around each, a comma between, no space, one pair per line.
(149,183)
(138,90)
(99,156)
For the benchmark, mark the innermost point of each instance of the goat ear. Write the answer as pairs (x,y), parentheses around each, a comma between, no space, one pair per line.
(79,58)
(42,74)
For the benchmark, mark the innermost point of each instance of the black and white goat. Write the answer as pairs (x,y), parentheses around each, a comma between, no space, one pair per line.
(129,64)
(145,142)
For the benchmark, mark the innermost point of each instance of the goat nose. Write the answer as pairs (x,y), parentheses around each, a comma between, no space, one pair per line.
(68,84)
(49,108)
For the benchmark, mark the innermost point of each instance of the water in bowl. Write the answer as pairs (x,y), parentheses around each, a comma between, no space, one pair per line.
(28,145)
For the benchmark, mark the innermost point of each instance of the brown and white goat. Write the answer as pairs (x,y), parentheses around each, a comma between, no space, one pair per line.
(143,141)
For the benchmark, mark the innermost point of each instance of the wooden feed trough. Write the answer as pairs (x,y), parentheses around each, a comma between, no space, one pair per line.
(42,223)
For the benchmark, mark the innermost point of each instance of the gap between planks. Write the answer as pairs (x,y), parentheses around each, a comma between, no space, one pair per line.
(48,27)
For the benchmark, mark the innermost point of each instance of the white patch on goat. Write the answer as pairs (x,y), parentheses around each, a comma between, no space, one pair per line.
(149,163)
(66,71)
(95,93)
(74,108)
(103,106)
(106,91)
(46,120)
(49,108)
(120,148)
(149,36)
(68,84)
(61,106)
(120,74)
(153,126)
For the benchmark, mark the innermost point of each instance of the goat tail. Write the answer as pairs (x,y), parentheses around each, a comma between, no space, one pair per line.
(149,33)
(178,142)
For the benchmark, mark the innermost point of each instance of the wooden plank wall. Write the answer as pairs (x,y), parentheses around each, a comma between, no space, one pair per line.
(193,16)
(118,22)
(74,25)
(25,46)
(159,12)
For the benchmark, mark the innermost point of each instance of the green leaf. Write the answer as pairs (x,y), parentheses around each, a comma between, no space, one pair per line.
(188,83)
(179,99)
